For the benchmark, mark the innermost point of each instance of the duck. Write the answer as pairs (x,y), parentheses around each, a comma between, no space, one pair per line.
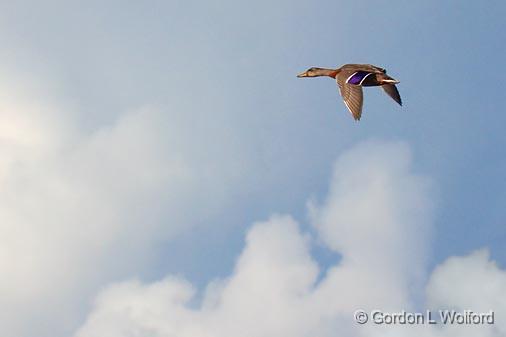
(351,78)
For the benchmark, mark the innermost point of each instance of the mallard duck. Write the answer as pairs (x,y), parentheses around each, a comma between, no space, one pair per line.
(352,77)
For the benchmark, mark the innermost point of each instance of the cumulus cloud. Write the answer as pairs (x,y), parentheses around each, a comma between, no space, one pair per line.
(80,208)
(472,282)
(377,216)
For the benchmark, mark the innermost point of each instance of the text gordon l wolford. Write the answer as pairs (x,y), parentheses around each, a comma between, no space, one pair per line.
(466,317)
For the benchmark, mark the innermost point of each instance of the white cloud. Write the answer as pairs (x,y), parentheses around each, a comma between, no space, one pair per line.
(78,209)
(377,216)
(473,282)
(273,290)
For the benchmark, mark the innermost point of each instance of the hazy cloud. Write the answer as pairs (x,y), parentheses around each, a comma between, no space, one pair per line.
(377,216)
(274,288)
(79,208)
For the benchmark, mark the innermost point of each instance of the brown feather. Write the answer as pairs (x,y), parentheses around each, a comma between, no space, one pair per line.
(392,91)
(352,94)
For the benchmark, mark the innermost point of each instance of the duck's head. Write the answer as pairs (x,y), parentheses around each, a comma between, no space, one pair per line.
(311,72)
(315,72)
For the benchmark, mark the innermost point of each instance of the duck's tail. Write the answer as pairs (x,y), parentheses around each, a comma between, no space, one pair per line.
(385,79)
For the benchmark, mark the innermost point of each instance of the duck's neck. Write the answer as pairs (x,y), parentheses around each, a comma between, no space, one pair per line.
(326,72)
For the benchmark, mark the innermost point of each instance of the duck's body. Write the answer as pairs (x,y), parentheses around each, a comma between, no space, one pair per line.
(352,77)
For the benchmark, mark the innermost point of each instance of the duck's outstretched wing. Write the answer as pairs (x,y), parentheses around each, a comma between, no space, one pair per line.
(392,91)
(352,94)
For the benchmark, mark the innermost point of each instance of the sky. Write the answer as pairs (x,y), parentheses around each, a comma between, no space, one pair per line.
(164,172)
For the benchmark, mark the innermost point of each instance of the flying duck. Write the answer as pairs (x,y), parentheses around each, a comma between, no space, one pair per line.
(352,77)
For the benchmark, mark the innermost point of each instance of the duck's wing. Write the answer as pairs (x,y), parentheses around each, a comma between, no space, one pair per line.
(392,91)
(364,67)
(352,94)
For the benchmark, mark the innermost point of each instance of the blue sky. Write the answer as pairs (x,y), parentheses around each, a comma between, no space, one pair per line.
(144,139)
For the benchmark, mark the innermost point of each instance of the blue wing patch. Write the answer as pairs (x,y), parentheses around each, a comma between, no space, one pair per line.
(358,77)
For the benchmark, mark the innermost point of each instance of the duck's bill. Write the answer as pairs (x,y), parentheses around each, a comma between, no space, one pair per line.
(304,74)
